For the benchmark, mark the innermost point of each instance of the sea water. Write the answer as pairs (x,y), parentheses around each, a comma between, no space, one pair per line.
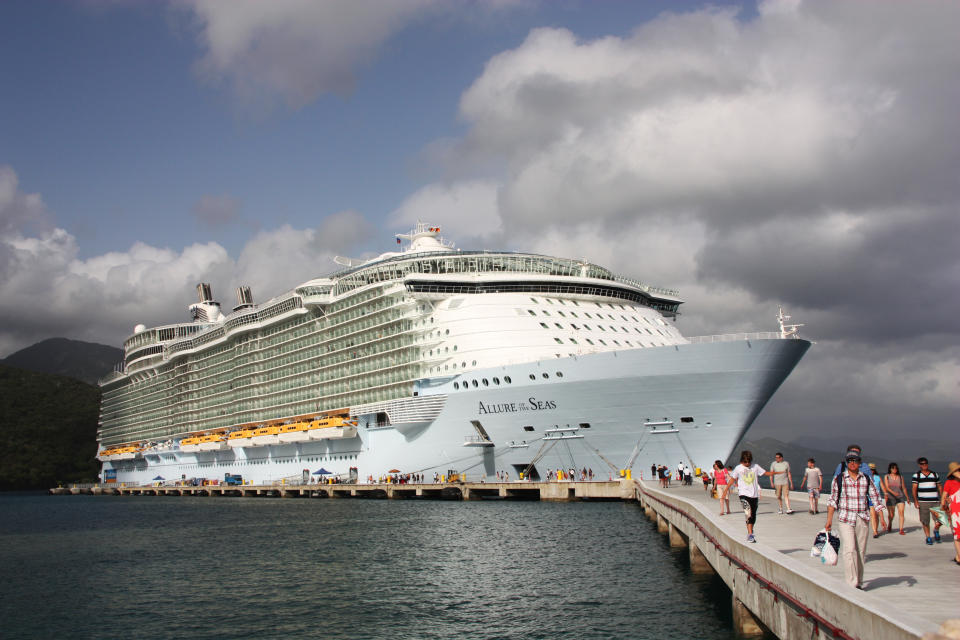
(185,567)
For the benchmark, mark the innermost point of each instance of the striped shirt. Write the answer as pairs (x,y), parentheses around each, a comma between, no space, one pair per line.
(853,503)
(927,486)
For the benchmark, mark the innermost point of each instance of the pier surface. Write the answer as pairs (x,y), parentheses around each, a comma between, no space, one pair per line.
(910,588)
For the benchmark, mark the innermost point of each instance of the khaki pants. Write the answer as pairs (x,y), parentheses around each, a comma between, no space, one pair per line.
(853,549)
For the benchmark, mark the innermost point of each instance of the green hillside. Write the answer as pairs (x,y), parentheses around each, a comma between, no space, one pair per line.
(85,361)
(48,428)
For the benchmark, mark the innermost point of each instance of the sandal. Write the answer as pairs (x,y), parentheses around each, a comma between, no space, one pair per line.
(902,532)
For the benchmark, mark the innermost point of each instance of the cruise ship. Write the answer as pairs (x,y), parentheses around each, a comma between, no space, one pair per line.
(434,360)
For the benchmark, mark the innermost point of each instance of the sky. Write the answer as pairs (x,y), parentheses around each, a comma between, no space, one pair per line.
(751,155)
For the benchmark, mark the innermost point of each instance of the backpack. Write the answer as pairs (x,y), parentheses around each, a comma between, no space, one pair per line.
(838,474)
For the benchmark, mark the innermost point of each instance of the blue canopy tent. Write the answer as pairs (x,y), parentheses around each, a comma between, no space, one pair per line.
(322,472)
(158,478)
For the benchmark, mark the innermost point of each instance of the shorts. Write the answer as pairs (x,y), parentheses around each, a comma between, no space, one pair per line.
(814,493)
(893,500)
(925,507)
(782,491)
(749,508)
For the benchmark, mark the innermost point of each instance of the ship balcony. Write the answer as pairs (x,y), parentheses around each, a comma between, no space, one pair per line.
(477,441)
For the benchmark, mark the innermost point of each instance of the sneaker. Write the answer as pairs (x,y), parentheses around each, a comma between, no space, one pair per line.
(936,536)
(789,511)
(750,538)
(930,541)
(780,511)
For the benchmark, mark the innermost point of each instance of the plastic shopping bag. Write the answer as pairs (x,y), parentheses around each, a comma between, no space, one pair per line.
(818,543)
(940,516)
(829,554)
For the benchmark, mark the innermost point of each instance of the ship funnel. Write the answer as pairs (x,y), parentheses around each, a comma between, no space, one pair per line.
(244,298)
(204,292)
(208,309)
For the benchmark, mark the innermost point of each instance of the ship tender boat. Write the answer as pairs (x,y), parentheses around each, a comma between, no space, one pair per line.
(430,359)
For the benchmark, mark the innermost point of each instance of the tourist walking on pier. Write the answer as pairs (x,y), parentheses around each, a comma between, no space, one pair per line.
(950,501)
(747,475)
(719,484)
(782,483)
(876,515)
(849,499)
(896,495)
(813,478)
(926,494)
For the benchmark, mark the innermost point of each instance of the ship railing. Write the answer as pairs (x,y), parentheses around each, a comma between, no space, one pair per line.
(738,337)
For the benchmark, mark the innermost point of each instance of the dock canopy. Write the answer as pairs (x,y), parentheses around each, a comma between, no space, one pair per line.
(321,472)
(159,478)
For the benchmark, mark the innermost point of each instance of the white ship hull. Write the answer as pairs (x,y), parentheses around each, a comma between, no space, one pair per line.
(690,402)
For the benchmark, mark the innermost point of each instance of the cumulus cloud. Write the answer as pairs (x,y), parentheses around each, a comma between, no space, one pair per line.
(468,209)
(274,261)
(297,49)
(46,290)
(19,211)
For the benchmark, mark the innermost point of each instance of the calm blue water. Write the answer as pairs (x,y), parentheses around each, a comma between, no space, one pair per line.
(179,567)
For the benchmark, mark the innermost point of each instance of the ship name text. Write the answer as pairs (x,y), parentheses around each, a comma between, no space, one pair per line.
(531,404)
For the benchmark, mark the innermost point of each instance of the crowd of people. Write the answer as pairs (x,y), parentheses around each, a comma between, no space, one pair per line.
(862,501)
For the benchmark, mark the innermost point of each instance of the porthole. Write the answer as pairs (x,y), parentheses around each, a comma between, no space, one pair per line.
(464,364)
(496,380)
(456,385)
(507,379)
(545,375)
(448,332)
(485,382)
(454,347)
(474,383)
(559,374)
(474,363)
(533,377)
(527,428)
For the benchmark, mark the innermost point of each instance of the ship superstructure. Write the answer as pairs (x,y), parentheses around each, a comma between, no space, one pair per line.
(430,359)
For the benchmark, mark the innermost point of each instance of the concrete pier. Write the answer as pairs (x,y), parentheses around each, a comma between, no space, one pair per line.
(520,490)
(911,589)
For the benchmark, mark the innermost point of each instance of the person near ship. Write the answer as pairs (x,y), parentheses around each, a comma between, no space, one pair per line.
(897,496)
(782,482)
(850,496)
(813,478)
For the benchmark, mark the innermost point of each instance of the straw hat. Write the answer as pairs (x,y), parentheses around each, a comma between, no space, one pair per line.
(953,466)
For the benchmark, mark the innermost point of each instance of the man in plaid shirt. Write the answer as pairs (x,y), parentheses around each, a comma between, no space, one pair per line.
(854,516)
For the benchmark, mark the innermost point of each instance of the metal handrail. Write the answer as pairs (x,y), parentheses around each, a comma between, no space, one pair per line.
(737,337)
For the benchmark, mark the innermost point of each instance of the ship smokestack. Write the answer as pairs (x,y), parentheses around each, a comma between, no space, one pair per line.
(208,309)
(204,292)
(244,298)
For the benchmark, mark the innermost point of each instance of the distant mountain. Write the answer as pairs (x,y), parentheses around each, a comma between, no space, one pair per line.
(48,429)
(764,449)
(85,361)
